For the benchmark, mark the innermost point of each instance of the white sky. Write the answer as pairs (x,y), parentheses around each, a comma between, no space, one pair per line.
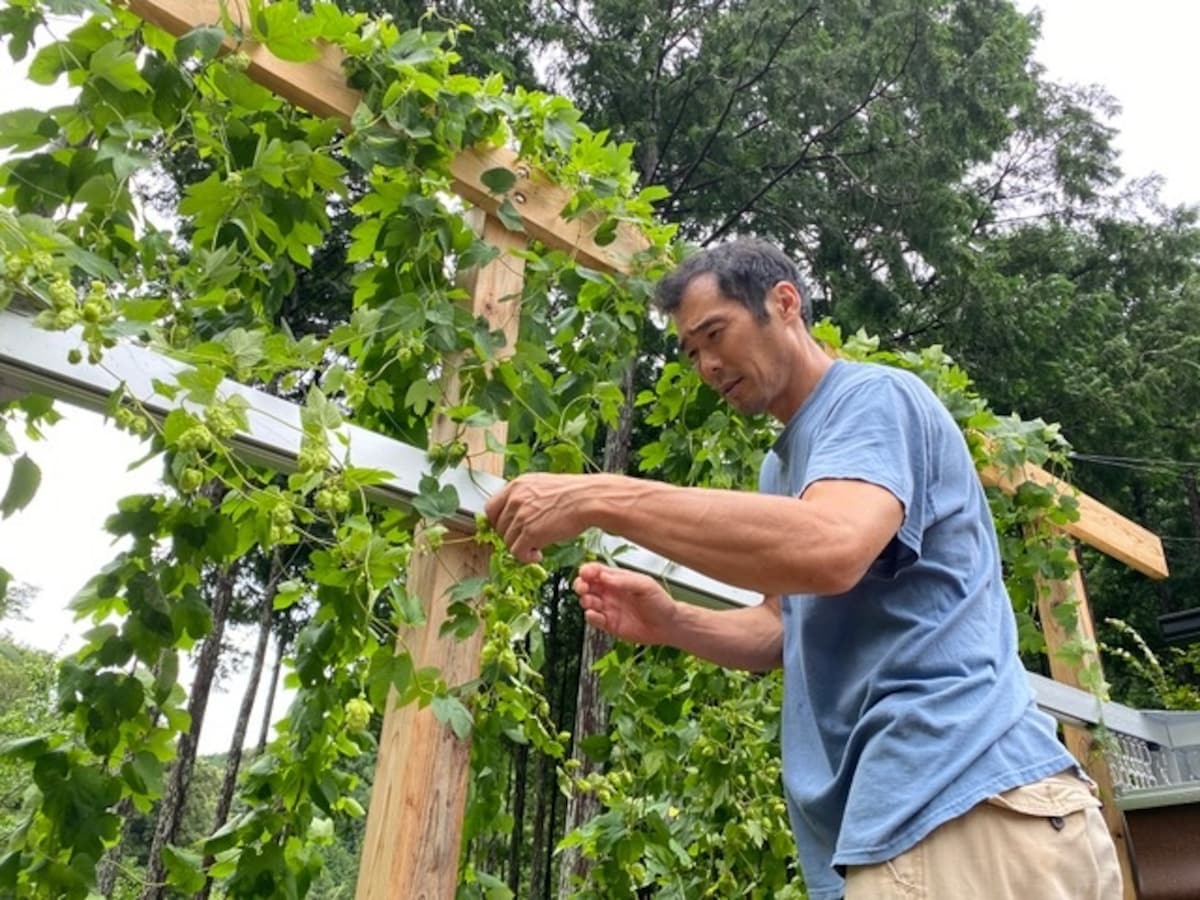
(1142,53)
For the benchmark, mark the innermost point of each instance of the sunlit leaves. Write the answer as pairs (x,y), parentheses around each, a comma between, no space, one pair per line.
(22,485)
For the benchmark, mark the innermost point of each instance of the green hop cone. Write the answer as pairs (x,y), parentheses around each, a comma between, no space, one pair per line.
(358,715)
(190,480)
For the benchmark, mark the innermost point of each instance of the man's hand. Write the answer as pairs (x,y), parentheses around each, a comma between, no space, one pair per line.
(627,605)
(536,510)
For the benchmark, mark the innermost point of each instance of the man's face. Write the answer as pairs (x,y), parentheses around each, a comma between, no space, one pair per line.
(739,357)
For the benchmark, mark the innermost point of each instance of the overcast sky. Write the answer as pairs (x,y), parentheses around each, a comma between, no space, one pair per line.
(1143,54)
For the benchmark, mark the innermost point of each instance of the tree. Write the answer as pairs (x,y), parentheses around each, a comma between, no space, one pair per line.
(27,678)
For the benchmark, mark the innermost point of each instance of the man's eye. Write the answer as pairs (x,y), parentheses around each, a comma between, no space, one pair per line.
(714,335)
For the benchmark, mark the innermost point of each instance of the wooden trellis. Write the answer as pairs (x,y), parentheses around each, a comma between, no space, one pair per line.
(415,818)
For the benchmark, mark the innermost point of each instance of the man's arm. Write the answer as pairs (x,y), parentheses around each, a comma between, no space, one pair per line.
(820,543)
(634,607)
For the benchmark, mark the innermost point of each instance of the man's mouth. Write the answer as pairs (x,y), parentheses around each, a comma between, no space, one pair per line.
(727,388)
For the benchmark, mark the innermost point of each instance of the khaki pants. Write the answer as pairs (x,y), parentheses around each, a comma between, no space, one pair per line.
(1043,841)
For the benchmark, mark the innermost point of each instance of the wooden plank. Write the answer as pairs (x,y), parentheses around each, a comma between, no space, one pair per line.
(1098,526)
(539,202)
(418,798)
(320,87)
(1080,741)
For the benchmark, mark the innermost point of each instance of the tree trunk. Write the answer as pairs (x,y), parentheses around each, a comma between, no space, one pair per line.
(519,782)
(234,760)
(106,872)
(1193,496)
(176,789)
(539,863)
(1161,588)
(269,706)
(591,714)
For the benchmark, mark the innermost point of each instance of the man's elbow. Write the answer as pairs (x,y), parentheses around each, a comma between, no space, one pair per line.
(843,573)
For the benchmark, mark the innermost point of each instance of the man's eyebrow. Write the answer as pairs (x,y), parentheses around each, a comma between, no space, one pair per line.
(708,321)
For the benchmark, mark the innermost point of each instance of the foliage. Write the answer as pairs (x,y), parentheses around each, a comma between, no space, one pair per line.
(249,220)
(212,294)
(1166,684)
(26,709)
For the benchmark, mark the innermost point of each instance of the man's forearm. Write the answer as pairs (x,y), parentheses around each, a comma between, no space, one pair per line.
(772,544)
(750,639)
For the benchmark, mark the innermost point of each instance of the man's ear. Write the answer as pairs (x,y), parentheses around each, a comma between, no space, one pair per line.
(788,303)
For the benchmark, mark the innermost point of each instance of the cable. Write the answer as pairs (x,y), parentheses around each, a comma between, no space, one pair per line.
(1139,463)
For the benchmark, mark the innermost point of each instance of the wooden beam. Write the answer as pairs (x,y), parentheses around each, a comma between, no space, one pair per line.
(1080,741)
(539,201)
(418,798)
(1098,526)
(320,87)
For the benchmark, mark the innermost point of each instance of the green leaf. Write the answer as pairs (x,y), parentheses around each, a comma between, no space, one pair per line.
(205,40)
(22,485)
(468,588)
(190,614)
(26,129)
(319,412)
(7,445)
(499,180)
(607,232)
(509,217)
(288,594)
(25,748)
(50,62)
(558,129)
(434,501)
(246,347)
(118,66)
(449,710)
(420,394)
(408,608)
(185,870)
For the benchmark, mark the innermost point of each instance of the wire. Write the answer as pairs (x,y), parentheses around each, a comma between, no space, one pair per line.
(1139,463)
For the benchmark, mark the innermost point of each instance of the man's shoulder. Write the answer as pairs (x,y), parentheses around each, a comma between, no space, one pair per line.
(857,378)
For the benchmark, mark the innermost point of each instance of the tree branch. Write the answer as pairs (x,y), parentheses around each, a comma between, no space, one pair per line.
(876,90)
(744,85)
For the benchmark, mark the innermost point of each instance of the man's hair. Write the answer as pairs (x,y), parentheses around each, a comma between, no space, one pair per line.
(745,270)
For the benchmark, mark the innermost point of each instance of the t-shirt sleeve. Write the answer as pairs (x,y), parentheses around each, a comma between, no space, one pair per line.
(877,432)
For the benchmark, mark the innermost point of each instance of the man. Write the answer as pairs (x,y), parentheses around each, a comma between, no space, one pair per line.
(915,762)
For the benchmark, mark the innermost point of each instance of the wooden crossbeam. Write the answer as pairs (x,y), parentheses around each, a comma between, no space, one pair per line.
(320,87)
(1097,526)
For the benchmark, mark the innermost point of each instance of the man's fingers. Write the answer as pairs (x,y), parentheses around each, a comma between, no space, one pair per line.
(503,523)
(495,504)
(596,619)
(501,510)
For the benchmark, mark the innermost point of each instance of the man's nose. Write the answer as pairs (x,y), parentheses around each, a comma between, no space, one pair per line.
(710,366)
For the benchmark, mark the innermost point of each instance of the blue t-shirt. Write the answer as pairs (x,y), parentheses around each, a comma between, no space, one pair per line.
(905,703)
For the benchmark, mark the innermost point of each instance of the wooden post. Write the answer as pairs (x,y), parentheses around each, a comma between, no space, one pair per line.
(1050,594)
(415,817)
